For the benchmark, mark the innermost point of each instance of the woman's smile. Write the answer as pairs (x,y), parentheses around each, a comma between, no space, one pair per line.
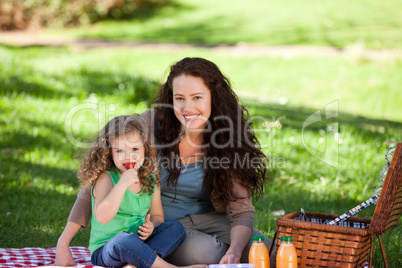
(190,117)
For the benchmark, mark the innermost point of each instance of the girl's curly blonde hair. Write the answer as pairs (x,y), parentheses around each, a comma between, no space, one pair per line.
(99,157)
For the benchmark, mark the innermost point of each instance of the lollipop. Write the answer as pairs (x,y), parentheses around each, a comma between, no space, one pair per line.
(129,165)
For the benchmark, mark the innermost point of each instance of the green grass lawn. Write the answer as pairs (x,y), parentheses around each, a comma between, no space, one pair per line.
(375,24)
(48,92)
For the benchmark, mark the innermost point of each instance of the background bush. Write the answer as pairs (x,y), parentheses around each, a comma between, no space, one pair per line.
(28,14)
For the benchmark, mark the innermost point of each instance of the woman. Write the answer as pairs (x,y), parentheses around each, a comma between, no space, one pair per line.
(209,162)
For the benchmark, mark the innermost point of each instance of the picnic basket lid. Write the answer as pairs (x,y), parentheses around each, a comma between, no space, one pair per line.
(389,205)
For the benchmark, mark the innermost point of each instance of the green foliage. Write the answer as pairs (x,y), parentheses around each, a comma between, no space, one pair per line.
(40,86)
(22,14)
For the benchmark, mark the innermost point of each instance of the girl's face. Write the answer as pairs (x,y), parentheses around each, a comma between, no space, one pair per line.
(128,150)
(192,101)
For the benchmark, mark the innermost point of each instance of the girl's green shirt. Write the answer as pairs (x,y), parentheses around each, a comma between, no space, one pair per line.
(131,214)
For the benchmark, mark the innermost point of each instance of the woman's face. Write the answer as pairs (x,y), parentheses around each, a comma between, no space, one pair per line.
(192,101)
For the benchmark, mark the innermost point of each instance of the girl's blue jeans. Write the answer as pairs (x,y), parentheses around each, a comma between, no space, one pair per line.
(126,247)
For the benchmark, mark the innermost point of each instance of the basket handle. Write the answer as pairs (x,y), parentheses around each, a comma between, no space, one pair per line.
(272,242)
(384,256)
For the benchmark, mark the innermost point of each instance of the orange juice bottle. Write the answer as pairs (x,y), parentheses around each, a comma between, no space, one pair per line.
(258,254)
(286,256)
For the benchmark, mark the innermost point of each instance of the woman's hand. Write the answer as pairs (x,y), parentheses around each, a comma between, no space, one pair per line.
(230,258)
(146,229)
(239,236)
(63,253)
(64,257)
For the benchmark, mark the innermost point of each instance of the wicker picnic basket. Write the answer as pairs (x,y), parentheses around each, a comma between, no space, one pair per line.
(323,245)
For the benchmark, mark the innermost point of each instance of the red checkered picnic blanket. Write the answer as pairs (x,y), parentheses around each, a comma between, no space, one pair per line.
(34,257)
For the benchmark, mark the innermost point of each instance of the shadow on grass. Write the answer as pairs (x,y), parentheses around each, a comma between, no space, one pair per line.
(19,85)
(297,118)
(22,80)
(25,139)
(131,88)
(58,176)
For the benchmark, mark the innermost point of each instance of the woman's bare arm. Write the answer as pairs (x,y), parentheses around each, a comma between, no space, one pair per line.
(63,253)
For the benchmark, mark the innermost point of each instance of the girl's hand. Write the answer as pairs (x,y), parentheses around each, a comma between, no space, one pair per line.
(146,229)
(129,177)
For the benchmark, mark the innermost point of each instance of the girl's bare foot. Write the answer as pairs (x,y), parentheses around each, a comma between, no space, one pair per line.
(161,263)
(129,266)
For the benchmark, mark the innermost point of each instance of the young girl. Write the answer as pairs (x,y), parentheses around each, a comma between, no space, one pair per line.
(127,217)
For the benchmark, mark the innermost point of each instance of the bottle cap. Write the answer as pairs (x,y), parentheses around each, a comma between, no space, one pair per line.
(287,239)
(257,237)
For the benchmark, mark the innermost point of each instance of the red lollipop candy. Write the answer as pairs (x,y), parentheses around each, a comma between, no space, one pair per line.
(129,165)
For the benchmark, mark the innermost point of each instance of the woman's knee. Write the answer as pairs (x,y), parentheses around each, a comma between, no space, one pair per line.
(198,248)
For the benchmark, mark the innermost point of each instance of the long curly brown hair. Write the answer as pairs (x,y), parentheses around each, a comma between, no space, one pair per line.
(99,156)
(247,163)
